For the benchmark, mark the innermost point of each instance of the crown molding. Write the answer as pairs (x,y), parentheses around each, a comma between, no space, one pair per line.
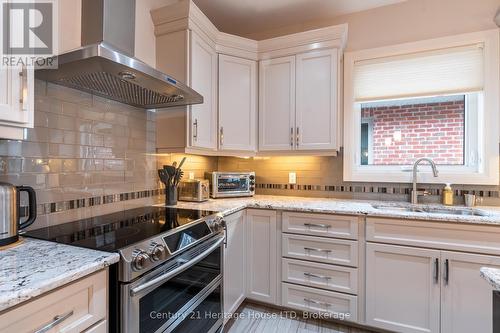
(185,15)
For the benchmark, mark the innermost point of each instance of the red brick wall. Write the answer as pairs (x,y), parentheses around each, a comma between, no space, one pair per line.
(434,130)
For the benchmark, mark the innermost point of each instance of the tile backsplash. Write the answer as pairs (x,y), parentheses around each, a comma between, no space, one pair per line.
(85,149)
(89,156)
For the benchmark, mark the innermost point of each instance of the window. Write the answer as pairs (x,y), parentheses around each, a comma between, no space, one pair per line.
(436,98)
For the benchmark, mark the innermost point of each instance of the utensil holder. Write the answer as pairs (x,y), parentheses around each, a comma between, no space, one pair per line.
(170,195)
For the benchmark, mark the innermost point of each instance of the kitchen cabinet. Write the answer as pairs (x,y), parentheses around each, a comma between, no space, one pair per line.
(402,288)
(237,104)
(77,307)
(234,262)
(262,255)
(425,290)
(299,102)
(203,117)
(277,104)
(16,101)
(316,116)
(466,303)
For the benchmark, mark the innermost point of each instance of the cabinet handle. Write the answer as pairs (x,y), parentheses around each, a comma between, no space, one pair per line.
(55,321)
(195,130)
(446,271)
(221,135)
(436,270)
(317,250)
(23,77)
(297,137)
(326,226)
(308,300)
(291,137)
(317,276)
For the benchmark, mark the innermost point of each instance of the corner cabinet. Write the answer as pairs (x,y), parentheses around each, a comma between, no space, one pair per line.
(16,101)
(237,104)
(298,102)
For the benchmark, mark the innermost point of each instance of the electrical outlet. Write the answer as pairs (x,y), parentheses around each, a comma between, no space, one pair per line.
(191,175)
(292,178)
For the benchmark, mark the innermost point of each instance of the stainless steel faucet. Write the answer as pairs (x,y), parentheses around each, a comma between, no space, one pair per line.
(414,193)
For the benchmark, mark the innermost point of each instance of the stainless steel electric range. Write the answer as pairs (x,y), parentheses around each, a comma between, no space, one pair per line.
(169,277)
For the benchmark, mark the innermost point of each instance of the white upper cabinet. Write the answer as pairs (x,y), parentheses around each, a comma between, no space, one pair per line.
(277,104)
(316,100)
(16,101)
(237,104)
(203,117)
(298,102)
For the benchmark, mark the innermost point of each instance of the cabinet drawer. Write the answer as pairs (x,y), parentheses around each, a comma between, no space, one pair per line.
(83,303)
(336,278)
(439,235)
(101,327)
(333,305)
(327,250)
(325,225)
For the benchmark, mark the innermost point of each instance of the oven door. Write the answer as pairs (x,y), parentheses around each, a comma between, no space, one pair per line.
(164,298)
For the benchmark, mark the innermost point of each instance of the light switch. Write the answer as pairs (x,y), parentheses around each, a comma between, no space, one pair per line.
(292,178)
(191,175)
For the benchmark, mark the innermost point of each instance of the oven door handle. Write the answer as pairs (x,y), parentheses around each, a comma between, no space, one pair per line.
(161,279)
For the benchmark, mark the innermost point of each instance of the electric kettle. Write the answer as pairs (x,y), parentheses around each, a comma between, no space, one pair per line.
(10,222)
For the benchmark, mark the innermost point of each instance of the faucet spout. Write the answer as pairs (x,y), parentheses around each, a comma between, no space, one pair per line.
(414,192)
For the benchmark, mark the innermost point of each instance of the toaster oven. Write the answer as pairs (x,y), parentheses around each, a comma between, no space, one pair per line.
(231,184)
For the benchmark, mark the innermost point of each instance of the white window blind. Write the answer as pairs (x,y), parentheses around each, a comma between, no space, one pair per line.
(430,73)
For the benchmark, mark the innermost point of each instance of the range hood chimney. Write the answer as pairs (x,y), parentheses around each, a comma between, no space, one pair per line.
(105,64)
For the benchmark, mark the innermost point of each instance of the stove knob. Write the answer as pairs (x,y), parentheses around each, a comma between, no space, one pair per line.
(156,251)
(139,260)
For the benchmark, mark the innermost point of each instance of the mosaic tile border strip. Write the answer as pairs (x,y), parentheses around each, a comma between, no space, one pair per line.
(371,189)
(61,206)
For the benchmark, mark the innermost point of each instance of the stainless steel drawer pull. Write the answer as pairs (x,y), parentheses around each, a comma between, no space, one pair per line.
(308,300)
(326,226)
(317,250)
(55,321)
(317,276)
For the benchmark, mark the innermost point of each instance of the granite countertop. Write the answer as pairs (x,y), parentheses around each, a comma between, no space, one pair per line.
(35,267)
(342,206)
(492,275)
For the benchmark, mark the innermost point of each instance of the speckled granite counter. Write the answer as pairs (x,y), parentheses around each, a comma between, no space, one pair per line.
(35,267)
(492,275)
(340,206)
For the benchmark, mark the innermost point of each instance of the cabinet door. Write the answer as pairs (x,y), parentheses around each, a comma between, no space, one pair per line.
(466,301)
(203,117)
(237,103)
(316,98)
(234,262)
(262,279)
(16,96)
(402,292)
(277,104)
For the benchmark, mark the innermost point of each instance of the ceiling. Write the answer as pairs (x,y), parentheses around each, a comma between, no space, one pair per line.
(243,17)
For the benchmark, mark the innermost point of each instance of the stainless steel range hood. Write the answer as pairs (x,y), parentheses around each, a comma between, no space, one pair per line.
(105,64)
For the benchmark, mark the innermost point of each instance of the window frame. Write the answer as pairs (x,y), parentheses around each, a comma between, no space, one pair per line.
(485,172)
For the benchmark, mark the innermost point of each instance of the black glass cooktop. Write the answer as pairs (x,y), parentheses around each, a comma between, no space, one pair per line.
(115,231)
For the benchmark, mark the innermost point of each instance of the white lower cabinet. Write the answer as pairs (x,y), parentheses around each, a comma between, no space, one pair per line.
(234,262)
(424,290)
(466,301)
(402,293)
(262,255)
(77,307)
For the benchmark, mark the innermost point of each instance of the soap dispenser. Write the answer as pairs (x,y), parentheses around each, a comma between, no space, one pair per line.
(448,195)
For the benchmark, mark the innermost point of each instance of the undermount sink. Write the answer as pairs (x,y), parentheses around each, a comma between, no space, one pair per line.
(432,210)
